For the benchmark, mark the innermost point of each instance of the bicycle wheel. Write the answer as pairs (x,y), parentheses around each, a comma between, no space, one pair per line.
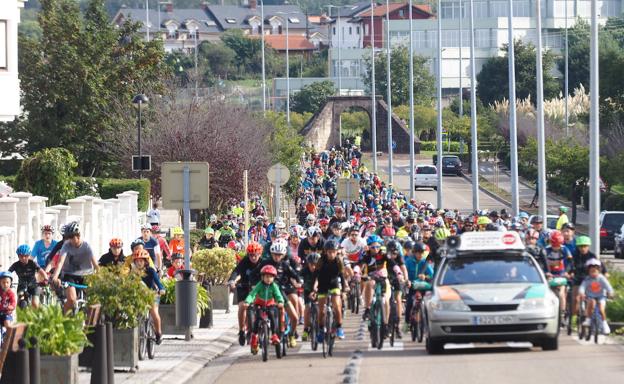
(264,340)
(313,327)
(330,331)
(142,340)
(392,322)
(373,326)
(379,329)
(357,298)
(569,305)
(596,326)
(421,326)
(151,340)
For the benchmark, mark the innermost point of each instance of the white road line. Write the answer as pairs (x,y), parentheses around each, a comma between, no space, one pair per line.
(398,346)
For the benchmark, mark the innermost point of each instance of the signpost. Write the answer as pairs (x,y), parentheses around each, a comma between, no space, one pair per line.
(278,175)
(347,190)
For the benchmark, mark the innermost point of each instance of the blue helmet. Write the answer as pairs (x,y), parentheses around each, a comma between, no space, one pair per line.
(23,249)
(374,239)
(6,274)
(523,215)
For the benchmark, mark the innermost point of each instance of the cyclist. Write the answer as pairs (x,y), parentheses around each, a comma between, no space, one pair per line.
(8,300)
(440,235)
(177,263)
(563,217)
(164,247)
(537,223)
(151,245)
(225,234)
(313,243)
(76,261)
(329,278)
(559,263)
(535,250)
(395,252)
(42,248)
(150,278)
(176,244)
(596,288)
(207,241)
(569,240)
(308,276)
(115,255)
(266,294)
(581,257)
(27,271)
(418,270)
(240,280)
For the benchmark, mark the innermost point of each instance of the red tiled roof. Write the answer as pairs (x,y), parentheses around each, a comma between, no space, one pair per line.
(295,42)
(380,10)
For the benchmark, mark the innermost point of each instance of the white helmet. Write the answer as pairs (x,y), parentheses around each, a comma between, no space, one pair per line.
(279,246)
(279,224)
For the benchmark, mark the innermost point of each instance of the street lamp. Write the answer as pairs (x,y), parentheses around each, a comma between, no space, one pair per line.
(389,92)
(373,100)
(439,133)
(287,21)
(147,19)
(138,101)
(411,102)
(263,61)
(473,116)
(541,138)
(513,135)
(339,66)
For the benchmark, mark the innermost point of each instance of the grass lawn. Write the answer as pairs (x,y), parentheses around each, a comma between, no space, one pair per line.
(618,188)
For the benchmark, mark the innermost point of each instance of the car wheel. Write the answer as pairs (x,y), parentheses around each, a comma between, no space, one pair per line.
(433,346)
(435,188)
(459,173)
(550,344)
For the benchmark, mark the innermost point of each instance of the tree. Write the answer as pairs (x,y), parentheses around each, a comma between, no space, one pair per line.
(49,173)
(75,73)
(218,57)
(399,67)
(311,97)
(493,80)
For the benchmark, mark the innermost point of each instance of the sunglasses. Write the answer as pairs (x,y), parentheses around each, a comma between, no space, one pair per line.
(375,246)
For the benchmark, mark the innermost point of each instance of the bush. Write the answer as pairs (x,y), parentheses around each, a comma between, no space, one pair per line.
(615,202)
(49,173)
(615,308)
(123,296)
(86,186)
(10,180)
(216,264)
(195,235)
(109,188)
(203,299)
(57,334)
(431,146)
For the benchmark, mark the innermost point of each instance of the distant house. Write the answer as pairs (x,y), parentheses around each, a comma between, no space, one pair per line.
(297,45)
(397,11)
(9,81)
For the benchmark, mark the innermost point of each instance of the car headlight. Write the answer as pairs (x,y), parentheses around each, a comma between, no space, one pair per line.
(449,306)
(537,303)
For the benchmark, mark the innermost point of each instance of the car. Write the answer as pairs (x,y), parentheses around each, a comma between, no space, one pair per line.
(610,225)
(426,177)
(451,165)
(618,247)
(489,289)
(551,221)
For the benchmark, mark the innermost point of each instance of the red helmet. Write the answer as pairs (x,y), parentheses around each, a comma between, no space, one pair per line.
(232,245)
(254,247)
(268,270)
(115,243)
(323,222)
(556,238)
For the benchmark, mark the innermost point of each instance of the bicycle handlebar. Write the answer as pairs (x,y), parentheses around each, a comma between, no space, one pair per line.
(70,284)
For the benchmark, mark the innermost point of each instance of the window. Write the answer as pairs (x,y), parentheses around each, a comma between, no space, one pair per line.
(357,30)
(334,31)
(450,38)
(230,20)
(192,34)
(366,31)
(609,8)
(172,33)
(495,269)
(498,9)
(482,38)
(420,39)
(480,9)
(3,45)
(401,13)
(279,29)
(521,8)
(350,31)
(294,20)
(210,23)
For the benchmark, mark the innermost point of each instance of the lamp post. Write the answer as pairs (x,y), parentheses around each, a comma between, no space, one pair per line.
(138,101)
(373,100)
(287,21)
(565,82)
(411,102)
(541,140)
(339,65)
(263,61)
(594,131)
(513,135)
(461,99)
(147,19)
(439,133)
(389,92)
(473,116)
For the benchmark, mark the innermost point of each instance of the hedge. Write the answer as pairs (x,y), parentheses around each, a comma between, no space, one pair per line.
(609,201)
(109,188)
(10,180)
(431,146)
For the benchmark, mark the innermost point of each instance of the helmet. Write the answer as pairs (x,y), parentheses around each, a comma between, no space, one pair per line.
(323,221)
(268,270)
(6,275)
(331,245)
(442,233)
(23,249)
(72,229)
(345,226)
(393,246)
(483,220)
(313,258)
(583,240)
(209,231)
(314,231)
(419,247)
(146,227)
(310,217)
(213,218)
(570,226)
(449,215)
(409,244)
(254,247)
(296,230)
(141,255)
(592,263)
(537,219)
(115,243)
(227,223)
(136,243)
(155,228)
(47,228)
(177,231)
(278,247)
(177,256)
(523,215)
(556,238)
(374,239)
(279,224)
(563,209)
(516,226)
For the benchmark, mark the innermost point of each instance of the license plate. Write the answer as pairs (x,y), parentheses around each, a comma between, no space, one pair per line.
(493,320)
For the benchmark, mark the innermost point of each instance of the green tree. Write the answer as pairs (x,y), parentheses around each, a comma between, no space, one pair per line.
(493,80)
(49,173)
(218,57)
(354,123)
(399,67)
(425,119)
(311,97)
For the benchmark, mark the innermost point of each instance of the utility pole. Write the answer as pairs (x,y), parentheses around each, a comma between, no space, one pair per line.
(389,92)
(473,116)
(541,139)
(263,60)
(566,90)
(411,102)
(373,99)
(439,133)
(513,134)
(461,99)
(594,134)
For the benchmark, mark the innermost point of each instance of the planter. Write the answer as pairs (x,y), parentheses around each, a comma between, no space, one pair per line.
(126,348)
(59,369)
(220,297)
(85,358)
(168,320)
(616,325)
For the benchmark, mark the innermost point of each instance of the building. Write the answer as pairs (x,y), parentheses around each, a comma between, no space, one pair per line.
(9,81)
(297,45)
(394,11)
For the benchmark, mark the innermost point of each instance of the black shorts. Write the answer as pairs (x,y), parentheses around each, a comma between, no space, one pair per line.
(73,279)
(32,290)
(288,290)
(242,293)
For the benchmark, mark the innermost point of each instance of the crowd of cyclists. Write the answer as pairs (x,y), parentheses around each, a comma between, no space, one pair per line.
(383,238)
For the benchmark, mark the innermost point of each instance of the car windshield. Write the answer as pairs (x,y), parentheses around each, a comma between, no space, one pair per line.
(449,160)
(426,170)
(490,269)
(613,220)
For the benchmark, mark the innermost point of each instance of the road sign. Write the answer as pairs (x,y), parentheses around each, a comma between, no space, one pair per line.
(172,185)
(347,189)
(144,165)
(278,174)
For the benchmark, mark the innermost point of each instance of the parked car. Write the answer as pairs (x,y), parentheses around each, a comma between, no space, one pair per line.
(610,226)
(426,177)
(618,248)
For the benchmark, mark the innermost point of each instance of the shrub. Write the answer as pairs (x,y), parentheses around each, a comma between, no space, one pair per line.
(203,299)
(109,188)
(57,334)
(431,146)
(615,202)
(123,296)
(195,235)
(216,264)
(86,186)
(10,180)
(49,173)
(615,308)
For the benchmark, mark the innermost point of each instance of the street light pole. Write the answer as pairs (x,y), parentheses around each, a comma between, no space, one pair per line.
(541,143)
(339,58)
(389,93)
(461,99)
(567,116)
(263,61)
(513,135)
(594,135)
(473,116)
(138,101)
(373,99)
(411,102)
(287,77)
(439,133)
(147,19)
(196,71)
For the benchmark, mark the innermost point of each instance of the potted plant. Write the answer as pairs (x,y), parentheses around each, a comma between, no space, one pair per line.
(216,265)
(124,299)
(60,338)
(167,307)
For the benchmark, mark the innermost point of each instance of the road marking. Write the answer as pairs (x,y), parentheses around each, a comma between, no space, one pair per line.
(306,347)
(398,346)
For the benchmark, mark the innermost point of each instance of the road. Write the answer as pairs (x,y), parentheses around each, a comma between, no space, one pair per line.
(574,362)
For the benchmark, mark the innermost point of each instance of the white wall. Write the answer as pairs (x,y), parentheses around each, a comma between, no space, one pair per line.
(347,40)
(9,83)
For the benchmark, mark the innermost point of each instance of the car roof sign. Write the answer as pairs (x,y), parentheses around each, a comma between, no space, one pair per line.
(490,241)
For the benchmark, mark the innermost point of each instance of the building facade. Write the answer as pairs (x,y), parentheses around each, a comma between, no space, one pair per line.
(9,81)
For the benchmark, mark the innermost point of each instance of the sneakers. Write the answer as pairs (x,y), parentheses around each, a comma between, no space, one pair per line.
(587,322)
(241,338)
(340,333)
(275,340)
(605,328)
(254,343)
(305,335)
(366,314)
(158,339)
(292,341)
(301,321)
(398,333)
(320,338)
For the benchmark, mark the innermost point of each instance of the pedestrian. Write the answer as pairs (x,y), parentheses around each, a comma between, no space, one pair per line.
(153,215)
(536,195)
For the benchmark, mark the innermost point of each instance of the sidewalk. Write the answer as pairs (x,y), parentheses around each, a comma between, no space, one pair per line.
(176,360)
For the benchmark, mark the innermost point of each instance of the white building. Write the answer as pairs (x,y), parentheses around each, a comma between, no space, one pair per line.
(9,82)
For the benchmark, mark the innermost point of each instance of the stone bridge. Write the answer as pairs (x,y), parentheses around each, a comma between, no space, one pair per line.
(323,129)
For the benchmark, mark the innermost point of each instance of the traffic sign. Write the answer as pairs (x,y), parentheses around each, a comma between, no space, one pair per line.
(278,174)
(347,189)
(172,184)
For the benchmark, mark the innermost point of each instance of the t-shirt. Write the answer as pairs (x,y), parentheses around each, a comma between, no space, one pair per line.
(176,246)
(26,273)
(152,247)
(353,251)
(596,288)
(153,216)
(77,260)
(41,253)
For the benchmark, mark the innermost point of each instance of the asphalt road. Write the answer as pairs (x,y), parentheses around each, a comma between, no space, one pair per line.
(354,361)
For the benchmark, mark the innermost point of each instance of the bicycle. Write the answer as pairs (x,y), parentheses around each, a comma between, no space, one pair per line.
(557,283)
(314,328)
(354,294)
(376,326)
(280,349)
(147,338)
(417,325)
(263,322)
(580,318)
(595,327)
(81,302)
(329,329)
(567,317)
(393,319)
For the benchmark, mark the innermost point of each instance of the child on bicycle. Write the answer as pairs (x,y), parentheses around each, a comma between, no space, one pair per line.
(177,263)
(559,261)
(7,299)
(307,274)
(329,277)
(266,294)
(597,289)
(27,270)
(419,271)
(150,277)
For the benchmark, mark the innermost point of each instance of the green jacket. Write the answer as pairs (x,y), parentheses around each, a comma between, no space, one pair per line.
(264,294)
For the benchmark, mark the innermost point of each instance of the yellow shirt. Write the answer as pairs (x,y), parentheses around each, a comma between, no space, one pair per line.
(563,219)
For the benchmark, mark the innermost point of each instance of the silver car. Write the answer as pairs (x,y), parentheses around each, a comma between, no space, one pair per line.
(488,289)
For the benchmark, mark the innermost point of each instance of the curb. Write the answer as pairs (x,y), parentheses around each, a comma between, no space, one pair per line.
(490,194)
(187,368)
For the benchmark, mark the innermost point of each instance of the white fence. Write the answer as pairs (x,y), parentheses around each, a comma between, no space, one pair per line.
(22,215)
